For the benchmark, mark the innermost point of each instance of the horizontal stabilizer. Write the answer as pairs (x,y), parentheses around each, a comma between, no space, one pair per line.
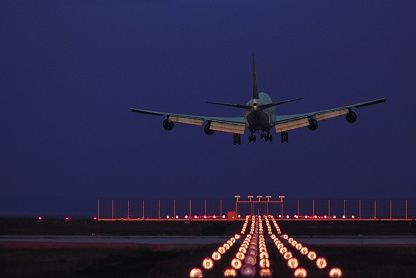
(264,106)
(230,105)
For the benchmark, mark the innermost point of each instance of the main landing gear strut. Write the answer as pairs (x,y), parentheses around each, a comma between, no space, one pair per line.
(285,136)
(237,139)
(265,134)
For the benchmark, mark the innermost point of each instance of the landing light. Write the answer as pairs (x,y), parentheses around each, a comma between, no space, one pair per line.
(67,218)
(40,218)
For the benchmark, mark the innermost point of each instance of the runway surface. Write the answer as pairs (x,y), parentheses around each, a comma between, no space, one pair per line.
(197,240)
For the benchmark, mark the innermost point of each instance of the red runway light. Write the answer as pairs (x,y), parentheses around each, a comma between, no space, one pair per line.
(67,218)
(40,218)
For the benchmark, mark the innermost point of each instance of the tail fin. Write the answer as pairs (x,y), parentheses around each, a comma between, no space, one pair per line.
(255,89)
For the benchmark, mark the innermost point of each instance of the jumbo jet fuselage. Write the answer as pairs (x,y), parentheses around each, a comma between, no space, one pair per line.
(258,118)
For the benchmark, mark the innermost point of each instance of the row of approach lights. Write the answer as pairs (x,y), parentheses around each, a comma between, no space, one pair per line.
(253,251)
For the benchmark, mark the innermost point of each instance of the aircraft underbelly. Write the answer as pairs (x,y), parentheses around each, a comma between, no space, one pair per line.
(258,120)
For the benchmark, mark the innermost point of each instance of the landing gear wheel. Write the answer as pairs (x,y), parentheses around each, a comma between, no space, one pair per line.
(237,139)
(285,137)
(252,139)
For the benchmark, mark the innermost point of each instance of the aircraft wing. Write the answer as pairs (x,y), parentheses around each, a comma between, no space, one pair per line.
(224,124)
(289,122)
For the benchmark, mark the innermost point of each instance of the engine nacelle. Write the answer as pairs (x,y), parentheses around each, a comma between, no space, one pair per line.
(167,124)
(207,130)
(313,124)
(351,116)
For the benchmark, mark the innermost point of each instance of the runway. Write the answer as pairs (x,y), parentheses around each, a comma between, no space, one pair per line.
(198,240)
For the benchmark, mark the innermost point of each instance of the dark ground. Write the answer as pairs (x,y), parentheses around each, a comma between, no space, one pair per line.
(92,260)
(58,226)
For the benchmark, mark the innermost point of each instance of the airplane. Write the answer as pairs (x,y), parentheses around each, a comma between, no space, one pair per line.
(259,116)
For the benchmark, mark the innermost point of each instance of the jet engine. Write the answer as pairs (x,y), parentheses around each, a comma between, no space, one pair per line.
(207,130)
(313,124)
(351,116)
(167,124)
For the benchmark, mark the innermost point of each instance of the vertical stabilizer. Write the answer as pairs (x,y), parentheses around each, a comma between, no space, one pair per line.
(255,89)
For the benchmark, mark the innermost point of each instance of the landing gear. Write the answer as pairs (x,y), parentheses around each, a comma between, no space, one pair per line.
(285,136)
(237,139)
(252,137)
(266,135)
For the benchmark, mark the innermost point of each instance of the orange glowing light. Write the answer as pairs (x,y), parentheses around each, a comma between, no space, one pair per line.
(230,272)
(335,272)
(265,272)
(236,263)
(240,256)
(264,255)
(287,255)
(208,263)
(304,250)
(321,263)
(221,250)
(216,256)
(311,255)
(293,263)
(264,263)
(300,272)
(196,273)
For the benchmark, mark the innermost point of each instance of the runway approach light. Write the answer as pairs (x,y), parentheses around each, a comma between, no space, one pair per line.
(196,273)
(248,270)
(230,272)
(265,272)
(208,263)
(300,272)
(321,263)
(335,272)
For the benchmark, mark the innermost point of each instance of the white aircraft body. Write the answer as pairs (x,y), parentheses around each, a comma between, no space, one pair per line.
(259,116)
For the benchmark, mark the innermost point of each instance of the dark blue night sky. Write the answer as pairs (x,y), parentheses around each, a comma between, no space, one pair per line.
(69,71)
